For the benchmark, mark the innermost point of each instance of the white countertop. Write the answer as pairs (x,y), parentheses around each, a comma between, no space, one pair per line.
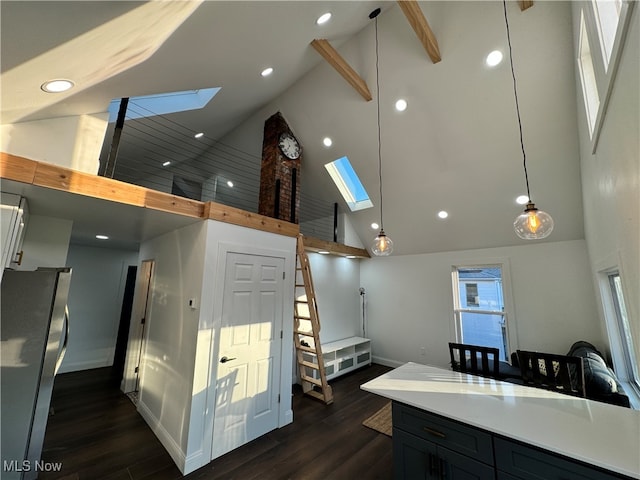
(596,433)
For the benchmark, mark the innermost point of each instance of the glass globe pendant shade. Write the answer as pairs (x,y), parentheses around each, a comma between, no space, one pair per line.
(533,224)
(382,245)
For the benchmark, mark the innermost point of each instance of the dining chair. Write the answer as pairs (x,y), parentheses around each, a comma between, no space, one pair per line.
(474,359)
(560,373)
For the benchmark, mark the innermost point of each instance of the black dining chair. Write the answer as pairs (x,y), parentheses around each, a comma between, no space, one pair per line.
(474,359)
(560,373)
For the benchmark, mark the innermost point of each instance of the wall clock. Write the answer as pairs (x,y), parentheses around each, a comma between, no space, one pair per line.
(289,146)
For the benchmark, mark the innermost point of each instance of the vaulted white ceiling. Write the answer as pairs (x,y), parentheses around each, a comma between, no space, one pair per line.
(455,148)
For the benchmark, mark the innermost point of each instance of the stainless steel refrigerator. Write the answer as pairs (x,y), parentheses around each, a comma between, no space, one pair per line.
(33,330)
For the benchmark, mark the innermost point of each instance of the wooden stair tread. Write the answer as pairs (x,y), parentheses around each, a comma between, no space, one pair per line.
(307,334)
(306,349)
(315,381)
(319,396)
(315,366)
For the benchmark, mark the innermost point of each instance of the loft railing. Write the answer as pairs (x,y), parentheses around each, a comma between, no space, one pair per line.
(159,153)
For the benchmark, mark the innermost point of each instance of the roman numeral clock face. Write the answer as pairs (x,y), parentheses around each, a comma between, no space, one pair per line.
(289,146)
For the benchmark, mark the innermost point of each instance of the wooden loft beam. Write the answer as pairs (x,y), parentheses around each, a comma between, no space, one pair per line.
(420,25)
(331,55)
(236,216)
(524,4)
(316,245)
(46,175)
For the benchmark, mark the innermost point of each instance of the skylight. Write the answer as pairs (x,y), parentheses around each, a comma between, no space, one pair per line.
(347,181)
(150,105)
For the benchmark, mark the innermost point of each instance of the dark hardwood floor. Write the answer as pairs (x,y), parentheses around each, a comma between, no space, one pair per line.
(96,433)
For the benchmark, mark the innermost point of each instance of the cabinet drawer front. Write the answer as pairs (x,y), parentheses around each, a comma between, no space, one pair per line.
(363,357)
(457,437)
(412,456)
(344,364)
(531,464)
(461,467)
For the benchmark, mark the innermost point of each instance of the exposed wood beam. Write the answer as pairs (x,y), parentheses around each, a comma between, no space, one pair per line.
(47,175)
(316,245)
(524,4)
(236,216)
(331,55)
(420,25)
(20,169)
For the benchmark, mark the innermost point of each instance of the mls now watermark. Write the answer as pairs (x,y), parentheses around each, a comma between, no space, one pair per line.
(29,466)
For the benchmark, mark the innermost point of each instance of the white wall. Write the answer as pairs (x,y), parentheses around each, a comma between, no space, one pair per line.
(177,392)
(336,281)
(73,142)
(410,300)
(171,333)
(611,175)
(98,278)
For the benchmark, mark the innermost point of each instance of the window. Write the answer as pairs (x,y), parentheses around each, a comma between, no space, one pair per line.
(347,181)
(588,77)
(607,13)
(479,307)
(472,295)
(599,43)
(150,105)
(620,332)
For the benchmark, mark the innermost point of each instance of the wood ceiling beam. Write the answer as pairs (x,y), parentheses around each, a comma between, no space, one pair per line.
(420,25)
(331,55)
(524,4)
(312,244)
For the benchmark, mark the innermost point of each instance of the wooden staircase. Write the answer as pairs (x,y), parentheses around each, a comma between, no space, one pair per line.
(306,332)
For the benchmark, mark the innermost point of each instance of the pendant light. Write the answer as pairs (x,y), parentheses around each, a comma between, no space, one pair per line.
(532,224)
(382,245)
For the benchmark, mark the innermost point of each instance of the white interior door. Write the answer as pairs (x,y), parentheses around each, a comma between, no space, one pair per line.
(250,344)
(135,347)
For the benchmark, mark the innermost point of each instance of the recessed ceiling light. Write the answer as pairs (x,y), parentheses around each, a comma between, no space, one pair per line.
(327,142)
(266,72)
(230,183)
(199,135)
(442,214)
(102,237)
(323,252)
(56,86)
(522,200)
(324,18)
(351,256)
(401,105)
(494,58)
(375,226)
(166,164)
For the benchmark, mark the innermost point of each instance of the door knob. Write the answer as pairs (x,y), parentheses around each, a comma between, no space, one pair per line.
(226,359)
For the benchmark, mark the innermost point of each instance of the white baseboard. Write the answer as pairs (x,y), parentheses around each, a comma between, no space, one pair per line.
(387,362)
(84,365)
(165,438)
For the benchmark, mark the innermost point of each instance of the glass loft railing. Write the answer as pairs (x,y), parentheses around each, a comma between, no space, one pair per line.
(159,153)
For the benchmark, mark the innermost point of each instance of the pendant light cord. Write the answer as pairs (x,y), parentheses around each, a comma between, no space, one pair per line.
(515,94)
(378,107)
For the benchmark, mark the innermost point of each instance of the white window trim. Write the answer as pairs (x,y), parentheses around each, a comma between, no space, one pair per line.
(509,317)
(605,77)
(614,335)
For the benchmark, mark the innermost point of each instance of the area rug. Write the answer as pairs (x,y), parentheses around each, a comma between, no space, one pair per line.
(381,420)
